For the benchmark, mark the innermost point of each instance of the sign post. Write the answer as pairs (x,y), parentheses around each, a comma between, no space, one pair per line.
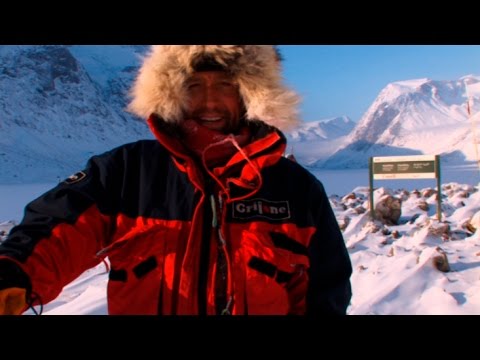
(370,184)
(439,189)
(405,167)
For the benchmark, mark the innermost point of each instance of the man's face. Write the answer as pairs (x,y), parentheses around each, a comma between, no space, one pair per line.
(214,101)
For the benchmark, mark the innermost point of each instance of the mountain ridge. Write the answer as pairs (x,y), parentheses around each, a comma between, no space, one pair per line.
(61,104)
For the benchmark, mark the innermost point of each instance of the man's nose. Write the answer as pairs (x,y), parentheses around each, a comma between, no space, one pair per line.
(211,96)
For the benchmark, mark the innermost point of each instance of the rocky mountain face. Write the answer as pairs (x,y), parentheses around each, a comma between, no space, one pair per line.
(58,106)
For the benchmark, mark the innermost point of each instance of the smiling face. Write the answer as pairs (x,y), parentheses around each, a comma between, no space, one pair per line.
(214,101)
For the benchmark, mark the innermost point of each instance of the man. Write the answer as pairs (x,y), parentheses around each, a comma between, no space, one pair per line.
(209,218)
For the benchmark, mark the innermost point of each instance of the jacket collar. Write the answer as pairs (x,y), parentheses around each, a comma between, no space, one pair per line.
(242,171)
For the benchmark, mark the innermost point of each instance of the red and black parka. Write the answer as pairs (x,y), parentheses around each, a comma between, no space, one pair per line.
(164,223)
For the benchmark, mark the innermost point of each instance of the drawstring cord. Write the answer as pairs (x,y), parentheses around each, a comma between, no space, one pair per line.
(31,299)
(215,220)
(240,150)
(231,138)
(223,248)
(252,165)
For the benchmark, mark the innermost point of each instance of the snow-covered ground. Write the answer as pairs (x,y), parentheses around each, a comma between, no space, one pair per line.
(394,270)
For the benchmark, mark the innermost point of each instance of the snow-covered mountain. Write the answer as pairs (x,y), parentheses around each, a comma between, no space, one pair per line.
(314,141)
(415,117)
(327,129)
(61,104)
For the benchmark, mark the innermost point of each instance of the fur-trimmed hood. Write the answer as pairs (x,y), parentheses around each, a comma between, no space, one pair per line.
(159,89)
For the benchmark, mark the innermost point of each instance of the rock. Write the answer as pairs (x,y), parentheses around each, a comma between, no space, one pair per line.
(360,209)
(428,192)
(475,222)
(388,209)
(422,205)
(343,223)
(440,262)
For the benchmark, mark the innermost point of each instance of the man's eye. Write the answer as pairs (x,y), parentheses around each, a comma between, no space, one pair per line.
(228,87)
(193,87)
(227,84)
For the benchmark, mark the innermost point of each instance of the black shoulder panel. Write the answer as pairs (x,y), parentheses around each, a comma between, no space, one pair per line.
(137,179)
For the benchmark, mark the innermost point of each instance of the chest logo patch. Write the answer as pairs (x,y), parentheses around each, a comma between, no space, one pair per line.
(273,210)
(72,179)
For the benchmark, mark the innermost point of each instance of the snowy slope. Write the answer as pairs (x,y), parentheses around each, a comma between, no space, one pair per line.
(314,141)
(56,111)
(416,117)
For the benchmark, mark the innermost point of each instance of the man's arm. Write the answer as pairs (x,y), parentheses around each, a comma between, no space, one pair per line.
(60,233)
(329,290)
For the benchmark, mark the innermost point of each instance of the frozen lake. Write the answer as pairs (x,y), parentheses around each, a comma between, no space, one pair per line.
(13,198)
(341,182)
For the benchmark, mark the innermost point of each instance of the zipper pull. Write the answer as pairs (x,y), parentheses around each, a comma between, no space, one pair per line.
(226,311)
(214,212)
(220,201)
(215,222)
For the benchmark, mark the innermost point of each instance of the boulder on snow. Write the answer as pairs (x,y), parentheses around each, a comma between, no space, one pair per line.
(438,228)
(428,192)
(440,262)
(474,222)
(343,223)
(388,209)
(423,205)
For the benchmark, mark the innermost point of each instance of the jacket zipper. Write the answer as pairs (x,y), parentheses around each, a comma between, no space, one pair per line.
(223,298)
(212,226)
(205,250)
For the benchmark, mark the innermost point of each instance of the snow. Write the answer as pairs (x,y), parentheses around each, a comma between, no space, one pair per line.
(99,58)
(60,105)
(84,296)
(396,275)
(409,118)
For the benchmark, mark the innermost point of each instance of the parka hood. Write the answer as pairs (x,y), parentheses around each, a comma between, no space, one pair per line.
(159,86)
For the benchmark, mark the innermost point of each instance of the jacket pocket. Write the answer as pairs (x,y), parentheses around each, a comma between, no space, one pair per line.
(137,270)
(270,264)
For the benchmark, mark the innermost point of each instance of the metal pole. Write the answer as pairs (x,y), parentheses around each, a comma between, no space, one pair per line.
(439,187)
(370,182)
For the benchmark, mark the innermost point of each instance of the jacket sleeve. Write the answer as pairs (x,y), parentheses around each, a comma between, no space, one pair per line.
(63,230)
(329,289)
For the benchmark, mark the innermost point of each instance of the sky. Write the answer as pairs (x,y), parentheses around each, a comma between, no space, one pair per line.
(336,80)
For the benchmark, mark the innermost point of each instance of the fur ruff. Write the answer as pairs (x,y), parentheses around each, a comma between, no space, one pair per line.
(159,90)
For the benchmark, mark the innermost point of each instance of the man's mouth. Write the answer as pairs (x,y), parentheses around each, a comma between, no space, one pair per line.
(211,119)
